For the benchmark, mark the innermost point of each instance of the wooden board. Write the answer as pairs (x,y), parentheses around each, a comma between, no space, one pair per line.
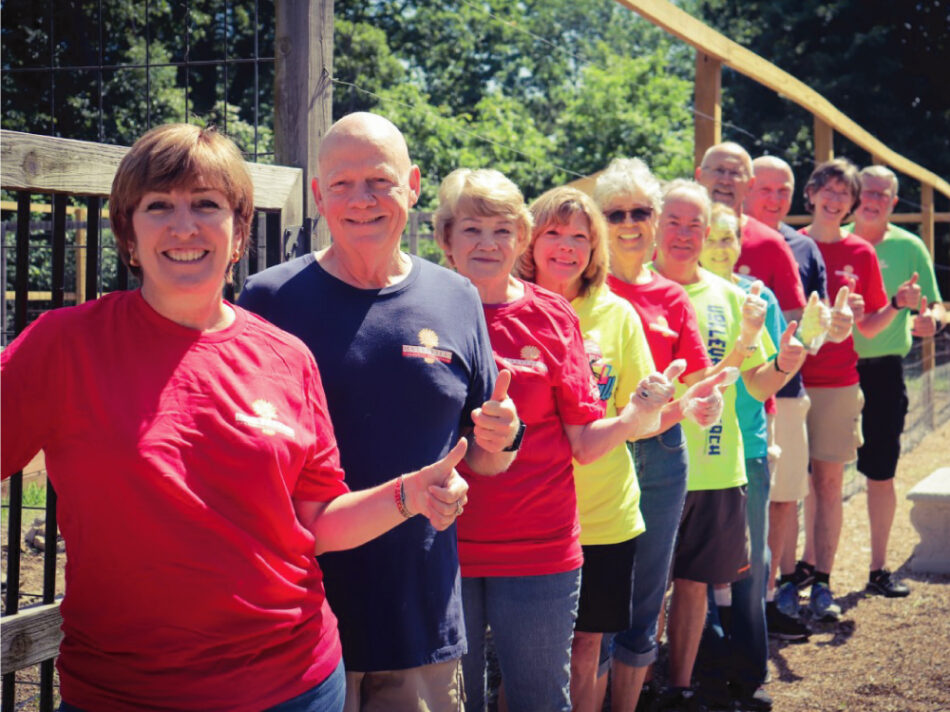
(30,636)
(46,164)
(705,39)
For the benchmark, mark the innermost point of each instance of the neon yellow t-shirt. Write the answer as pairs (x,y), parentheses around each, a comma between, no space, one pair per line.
(716,456)
(608,494)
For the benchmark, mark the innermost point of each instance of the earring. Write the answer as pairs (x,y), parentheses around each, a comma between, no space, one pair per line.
(133,260)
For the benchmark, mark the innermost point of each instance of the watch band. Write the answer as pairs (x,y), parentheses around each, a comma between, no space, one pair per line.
(519,436)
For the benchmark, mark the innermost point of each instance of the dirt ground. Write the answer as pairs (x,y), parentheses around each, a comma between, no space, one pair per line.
(885,655)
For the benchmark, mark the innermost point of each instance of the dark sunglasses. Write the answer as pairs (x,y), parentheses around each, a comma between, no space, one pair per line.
(617,217)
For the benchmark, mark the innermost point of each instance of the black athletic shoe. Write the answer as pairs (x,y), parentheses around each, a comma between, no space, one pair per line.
(649,694)
(882,584)
(804,575)
(757,700)
(784,627)
(680,699)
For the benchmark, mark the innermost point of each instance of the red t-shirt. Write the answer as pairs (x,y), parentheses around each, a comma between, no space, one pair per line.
(835,365)
(524,521)
(176,456)
(766,256)
(669,321)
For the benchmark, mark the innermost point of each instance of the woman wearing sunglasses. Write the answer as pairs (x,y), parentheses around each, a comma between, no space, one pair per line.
(629,196)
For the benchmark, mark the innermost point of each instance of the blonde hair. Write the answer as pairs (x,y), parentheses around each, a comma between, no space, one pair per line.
(626,176)
(558,206)
(689,188)
(723,220)
(179,156)
(484,192)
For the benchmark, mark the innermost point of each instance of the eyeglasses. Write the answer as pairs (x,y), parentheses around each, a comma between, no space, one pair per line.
(727,174)
(617,217)
(874,195)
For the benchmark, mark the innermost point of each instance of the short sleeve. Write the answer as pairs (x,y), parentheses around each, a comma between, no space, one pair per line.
(575,392)
(484,371)
(925,271)
(820,272)
(787,283)
(774,321)
(875,296)
(321,479)
(690,345)
(636,364)
(30,371)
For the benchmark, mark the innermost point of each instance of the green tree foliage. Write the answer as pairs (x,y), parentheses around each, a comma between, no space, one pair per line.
(543,91)
(882,63)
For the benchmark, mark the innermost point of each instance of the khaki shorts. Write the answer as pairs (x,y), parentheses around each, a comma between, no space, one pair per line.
(790,473)
(834,423)
(428,688)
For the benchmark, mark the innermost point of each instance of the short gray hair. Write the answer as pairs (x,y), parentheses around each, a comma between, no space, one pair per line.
(880,172)
(625,176)
(687,187)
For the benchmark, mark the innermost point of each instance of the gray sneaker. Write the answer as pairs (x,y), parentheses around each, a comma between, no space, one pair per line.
(822,604)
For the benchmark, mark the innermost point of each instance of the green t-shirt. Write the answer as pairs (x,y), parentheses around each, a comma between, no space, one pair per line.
(716,455)
(608,494)
(900,254)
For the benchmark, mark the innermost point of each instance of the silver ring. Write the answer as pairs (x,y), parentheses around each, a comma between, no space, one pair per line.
(458,507)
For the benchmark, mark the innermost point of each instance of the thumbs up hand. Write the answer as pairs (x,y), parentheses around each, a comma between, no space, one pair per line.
(925,323)
(843,315)
(437,491)
(816,321)
(643,412)
(852,300)
(496,422)
(908,294)
(703,402)
(791,352)
(753,315)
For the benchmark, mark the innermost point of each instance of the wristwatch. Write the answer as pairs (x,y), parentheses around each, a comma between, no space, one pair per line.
(519,436)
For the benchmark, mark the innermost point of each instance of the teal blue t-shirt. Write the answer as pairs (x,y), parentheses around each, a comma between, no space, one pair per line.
(751,412)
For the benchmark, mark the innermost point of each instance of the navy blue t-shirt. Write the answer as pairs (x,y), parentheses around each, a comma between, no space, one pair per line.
(811,269)
(403,367)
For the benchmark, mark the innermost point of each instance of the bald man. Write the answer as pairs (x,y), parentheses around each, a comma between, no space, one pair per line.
(407,366)
(769,201)
(726,172)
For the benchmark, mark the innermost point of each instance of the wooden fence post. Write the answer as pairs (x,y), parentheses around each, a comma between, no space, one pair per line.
(927,352)
(824,141)
(303,103)
(707,122)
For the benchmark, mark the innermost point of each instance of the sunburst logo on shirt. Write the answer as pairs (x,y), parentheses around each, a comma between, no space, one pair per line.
(264,419)
(427,349)
(530,353)
(265,411)
(429,339)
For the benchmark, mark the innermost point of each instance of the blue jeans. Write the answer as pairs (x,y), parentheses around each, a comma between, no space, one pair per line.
(746,645)
(328,696)
(532,624)
(662,465)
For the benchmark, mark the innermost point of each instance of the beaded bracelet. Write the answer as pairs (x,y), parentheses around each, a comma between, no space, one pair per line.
(399,495)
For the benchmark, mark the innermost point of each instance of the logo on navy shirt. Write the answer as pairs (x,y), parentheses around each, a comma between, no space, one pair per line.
(427,351)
